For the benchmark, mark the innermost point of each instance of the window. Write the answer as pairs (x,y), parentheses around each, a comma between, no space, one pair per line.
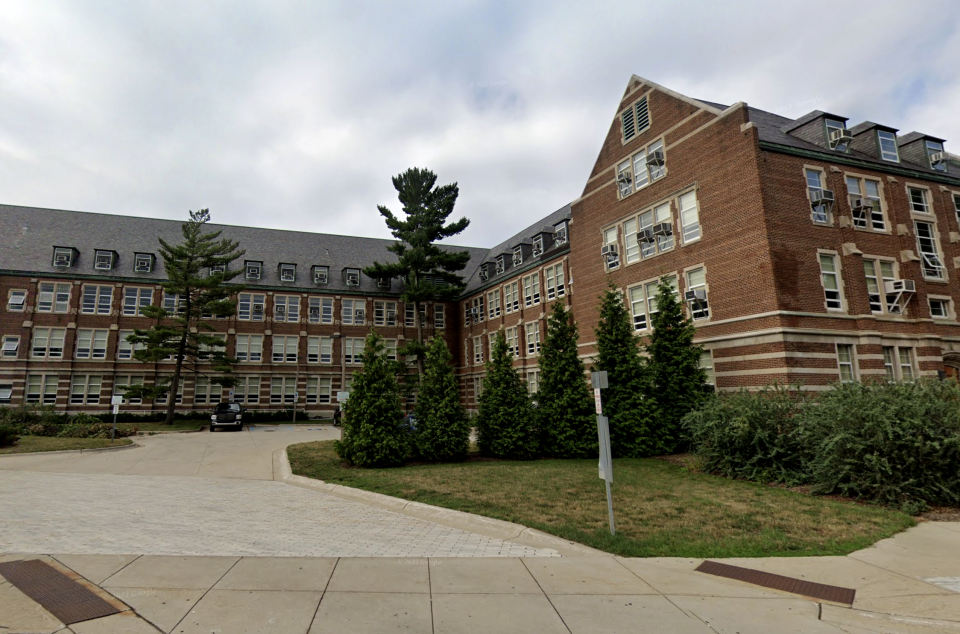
(250,307)
(438,314)
(218,268)
(477,350)
(517,256)
(554,281)
(143,262)
(321,274)
(929,254)
(877,273)
(650,289)
(820,203)
(286,308)
(162,399)
(321,310)
(476,310)
(533,338)
(174,304)
(319,350)
(97,300)
(864,196)
(638,307)
(283,389)
(247,390)
(250,348)
(103,260)
(410,317)
(53,298)
(206,392)
(625,179)
(288,272)
(477,388)
(888,146)
(385,313)
(560,233)
(845,362)
(11,346)
(655,228)
(42,388)
(493,304)
(252,269)
(641,169)
(285,348)
(390,349)
(533,381)
(351,277)
(63,257)
(511,297)
(631,241)
(689,217)
(353,312)
(635,119)
(898,363)
(125,349)
(501,264)
(918,200)
(940,307)
(531,290)
(706,364)
(124,381)
(383,282)
(956,206)
(6,392)
(696,294)
(538,246)
(134,300)
(16,300)
(91,344)
(353,350)
(48,343)
(833,125)
(611,249)
(206,350)
(935,155)
(513,343)
(318,390)
(830,281)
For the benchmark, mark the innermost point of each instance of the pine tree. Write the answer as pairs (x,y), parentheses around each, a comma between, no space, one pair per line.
(443,430)
(201,294)
(373,433)
(566,413)
(428,271)
(506,426)
(677,380)
(627,402)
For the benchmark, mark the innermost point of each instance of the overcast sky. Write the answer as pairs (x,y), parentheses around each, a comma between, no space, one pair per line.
(294,115)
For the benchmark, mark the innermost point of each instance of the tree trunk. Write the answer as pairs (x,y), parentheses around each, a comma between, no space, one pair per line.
(175,383)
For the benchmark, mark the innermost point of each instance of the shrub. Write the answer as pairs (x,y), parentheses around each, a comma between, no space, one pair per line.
(754,436)
(894,444)
(8,436)
(96,430)
(506,424)
(443,430)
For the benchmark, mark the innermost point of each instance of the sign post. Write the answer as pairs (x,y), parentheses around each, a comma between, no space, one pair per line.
(115,401)
(296,398)
(599,381)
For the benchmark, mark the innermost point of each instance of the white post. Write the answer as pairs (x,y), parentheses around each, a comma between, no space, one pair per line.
(599,381)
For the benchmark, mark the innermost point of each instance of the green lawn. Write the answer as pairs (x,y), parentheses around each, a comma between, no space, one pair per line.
(31,444)
(661,509)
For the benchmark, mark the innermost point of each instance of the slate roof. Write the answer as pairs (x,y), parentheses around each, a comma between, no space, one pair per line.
(30,234)
(909,137)
(523,237)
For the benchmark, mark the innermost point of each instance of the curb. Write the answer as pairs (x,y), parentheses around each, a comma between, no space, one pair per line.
(499,529)
(132,445)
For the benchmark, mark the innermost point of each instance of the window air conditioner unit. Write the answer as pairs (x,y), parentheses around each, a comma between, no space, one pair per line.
(258,308)
(937,158)
(861,205)
(609,249)
(314,310)
(696,295)
(483,274)
(61,259)
(624,177)
(655,158)
(663,229)
(281,309)
(287,276)
(900,286)
(840,136)
(821,196)
(646,236)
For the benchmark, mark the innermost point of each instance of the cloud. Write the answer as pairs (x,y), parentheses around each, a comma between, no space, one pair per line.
(296,114)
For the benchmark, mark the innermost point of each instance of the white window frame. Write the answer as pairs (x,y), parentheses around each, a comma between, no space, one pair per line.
(134,300)
(249,348)
(876,220)
(246,302)
(837,275)
(690,229)
(53,297)
(142,262)
(554,281)
(493,304)
(698,311)
(946,302)
(127,380)
(384,313)
(353,312)
(532,338)
(878,277)
(439,316)
(288,272)
(511,336)
(252,269)
(931,258)
(888,154)
(898,358)
(706,364)
(820,214)
(47,343)
(478,350)
(925,206)
(285,348)
(17,300)
(847,360)
(291,308)
(103,260)
(353,350)
(511,297)
(321,275)
(48,387)
(11,347)
(125,349)
(92,343)
(531,289)
(247,390)
(286,394)
(638,306)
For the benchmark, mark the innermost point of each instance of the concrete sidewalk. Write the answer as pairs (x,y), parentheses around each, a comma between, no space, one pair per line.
(907,584)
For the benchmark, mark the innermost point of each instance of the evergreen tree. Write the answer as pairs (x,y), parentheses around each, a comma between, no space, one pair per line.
(443,430)
(373,434)
(202,294)
(428,271)
(627,402)
(506,426)
(566,413)
(676,377)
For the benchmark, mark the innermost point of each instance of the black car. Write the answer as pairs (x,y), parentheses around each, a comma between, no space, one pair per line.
(227,415)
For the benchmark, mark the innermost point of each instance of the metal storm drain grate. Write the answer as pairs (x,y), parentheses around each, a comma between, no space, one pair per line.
(809,589)
(59,595)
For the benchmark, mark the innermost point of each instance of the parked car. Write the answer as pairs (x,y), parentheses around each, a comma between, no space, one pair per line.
(228,415)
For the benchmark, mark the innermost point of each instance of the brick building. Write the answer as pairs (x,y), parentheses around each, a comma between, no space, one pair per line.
(805,250)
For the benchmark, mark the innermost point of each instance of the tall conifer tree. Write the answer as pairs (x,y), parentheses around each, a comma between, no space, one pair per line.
(443,430)
(506,426)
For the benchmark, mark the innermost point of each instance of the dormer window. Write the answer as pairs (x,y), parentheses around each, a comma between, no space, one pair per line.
(936,156)
(383,282)
(517,256)
(888,146)
(538,246)
(837,135)
(253,269)
(143,262)
(560,237)
(218,268)
(501,264)
(484,273)
(351,277)
(321,274)
(288,272)
(104,260)
(64,257)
